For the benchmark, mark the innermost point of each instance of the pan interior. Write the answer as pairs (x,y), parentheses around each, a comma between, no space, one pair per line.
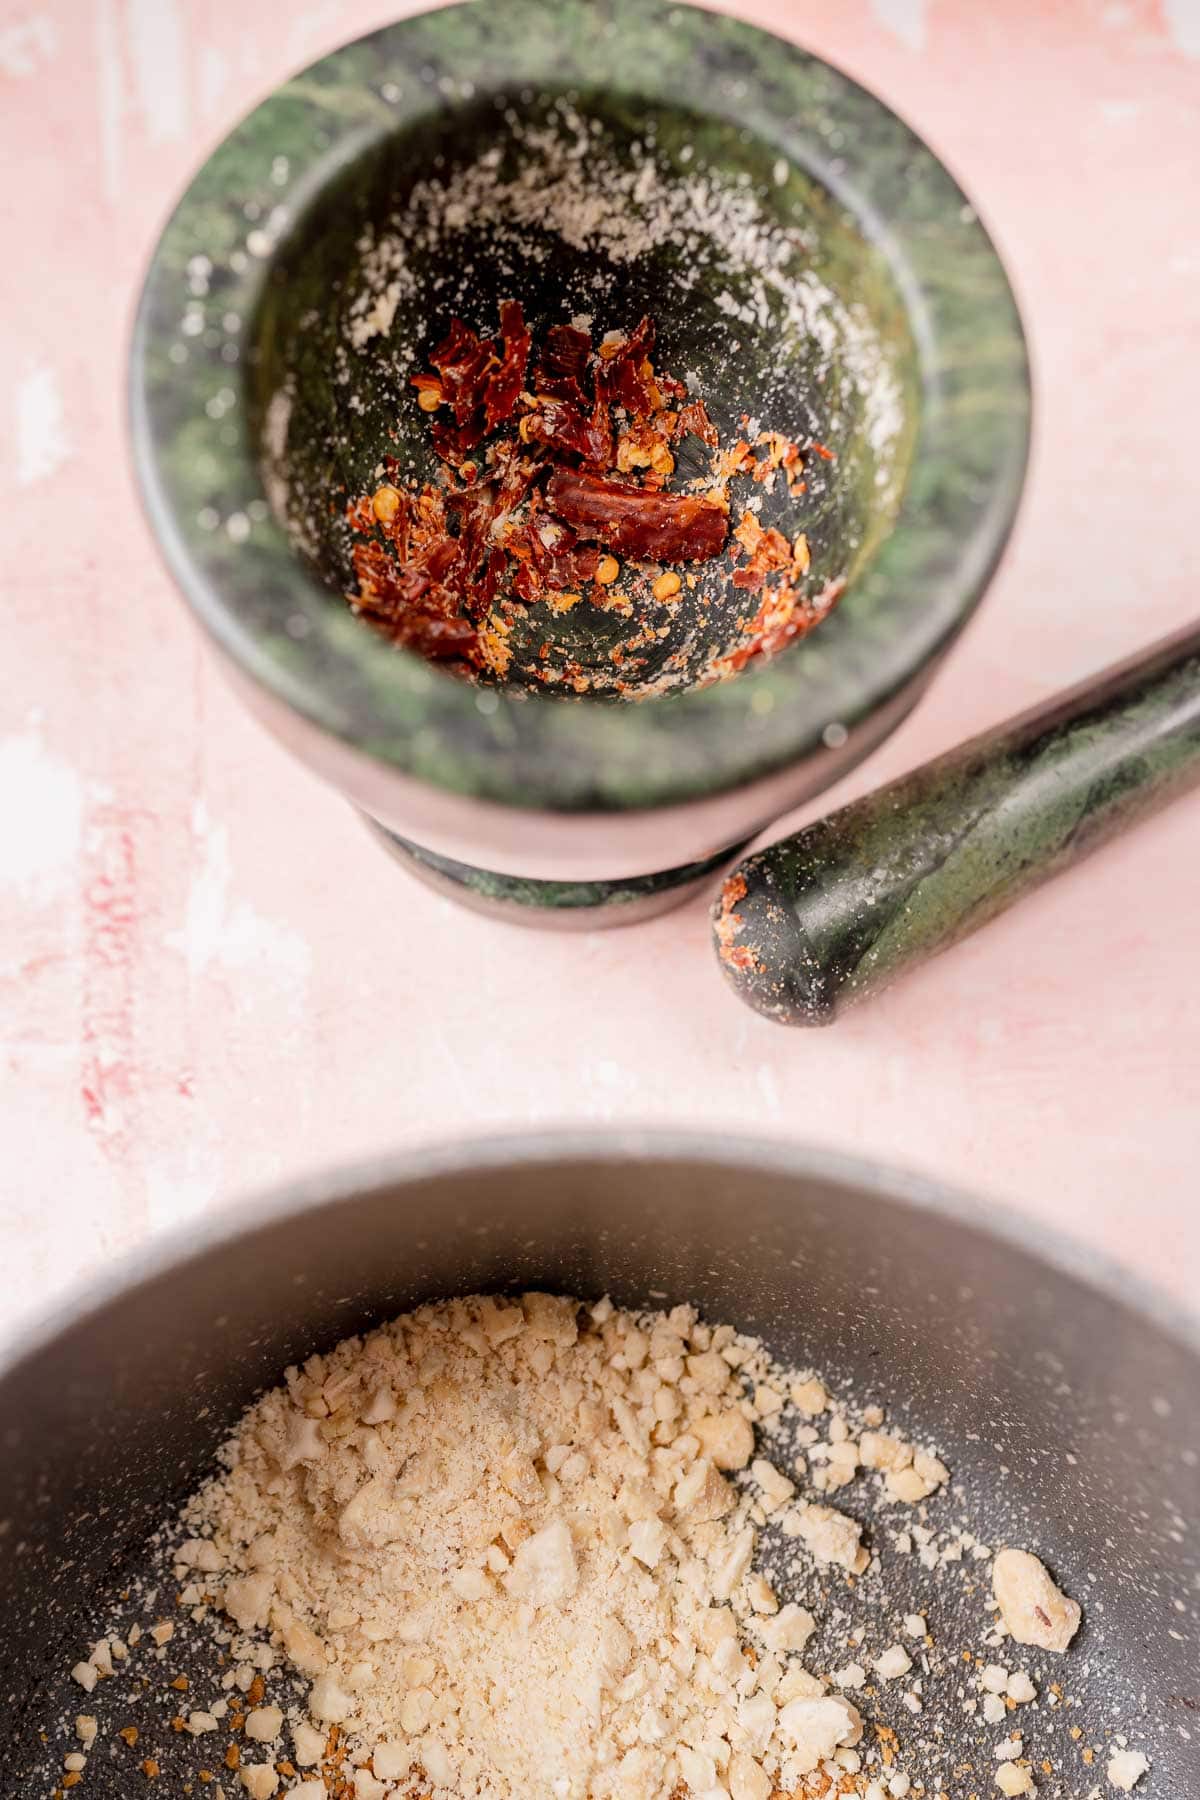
(1068,1419)
(770,301)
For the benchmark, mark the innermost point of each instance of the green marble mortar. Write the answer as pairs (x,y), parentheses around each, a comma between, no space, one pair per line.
(525,800)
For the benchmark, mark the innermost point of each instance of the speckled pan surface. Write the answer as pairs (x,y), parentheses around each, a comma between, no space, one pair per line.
(1061,1394)
(198,460)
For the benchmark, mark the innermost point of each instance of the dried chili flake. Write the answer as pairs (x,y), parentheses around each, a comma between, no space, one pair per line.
(693,418)
(463,360)
(625,375)
(783,615)
(768,552)
(650,527)
(454,442)
(644,446)
(559,426)
(505,383)
(562,369)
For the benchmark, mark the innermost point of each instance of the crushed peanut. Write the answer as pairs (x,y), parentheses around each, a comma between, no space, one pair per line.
(1033,1608)
(516,1549)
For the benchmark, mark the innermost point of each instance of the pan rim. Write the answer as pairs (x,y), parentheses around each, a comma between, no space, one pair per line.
(510,1151)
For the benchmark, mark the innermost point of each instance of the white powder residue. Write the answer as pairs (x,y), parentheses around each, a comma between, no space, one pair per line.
(906,18)
(388,280)
(568,183)
(159,52)
(276,424)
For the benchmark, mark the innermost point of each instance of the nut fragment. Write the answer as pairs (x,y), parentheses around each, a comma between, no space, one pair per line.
(817,1727)
(777,1490)
(544,1571)
(748,1780)
(327,1702)
(308,1745)
(1033,1608)
(810,1397)
(831,1537)
(264,1724)
(247,1600)
(1012,1779)
(894,1662)
(259,1780)
(1126,1768)
(726,1438)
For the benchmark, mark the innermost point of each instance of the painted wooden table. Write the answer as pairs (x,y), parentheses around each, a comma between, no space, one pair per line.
(210,978)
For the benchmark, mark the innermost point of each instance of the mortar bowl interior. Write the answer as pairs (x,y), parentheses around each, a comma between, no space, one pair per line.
(812,268)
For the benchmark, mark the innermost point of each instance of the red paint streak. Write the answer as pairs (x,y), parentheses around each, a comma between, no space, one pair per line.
(108,1077)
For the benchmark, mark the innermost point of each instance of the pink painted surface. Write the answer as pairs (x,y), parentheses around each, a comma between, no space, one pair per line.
(210,978)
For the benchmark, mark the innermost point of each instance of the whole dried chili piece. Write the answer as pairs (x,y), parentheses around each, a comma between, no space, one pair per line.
(649,527)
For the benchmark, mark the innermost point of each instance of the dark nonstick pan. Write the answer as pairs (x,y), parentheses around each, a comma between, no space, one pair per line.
(1007,1351)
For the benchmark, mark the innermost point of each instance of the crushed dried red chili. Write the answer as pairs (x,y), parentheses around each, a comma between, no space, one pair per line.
(535,516)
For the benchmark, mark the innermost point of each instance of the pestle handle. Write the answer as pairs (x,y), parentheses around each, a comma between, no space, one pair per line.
(822,919)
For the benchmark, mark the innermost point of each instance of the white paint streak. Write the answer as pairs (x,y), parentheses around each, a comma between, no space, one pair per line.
(41,816)
(214,74)
(185,1183)
(110,97)
(42,444)
(904,18)
(1182,18)
(768,1087)
(311,25)
(229,934)
(28,45)
(158,50)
